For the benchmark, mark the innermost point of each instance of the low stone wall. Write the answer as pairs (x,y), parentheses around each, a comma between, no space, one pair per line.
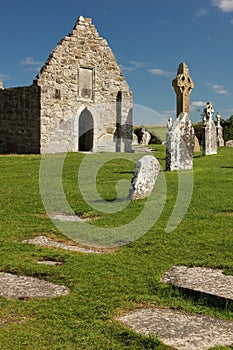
(20,120)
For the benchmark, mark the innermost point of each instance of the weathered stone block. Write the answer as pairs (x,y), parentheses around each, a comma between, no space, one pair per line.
(229,143)
(180,144)
(209,140)
(144,178)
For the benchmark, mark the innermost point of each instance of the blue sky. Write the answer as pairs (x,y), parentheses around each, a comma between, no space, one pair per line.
(149,39)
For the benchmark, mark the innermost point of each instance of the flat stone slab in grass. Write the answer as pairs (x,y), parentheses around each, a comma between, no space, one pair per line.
(65,217)
(49,262)
(200,279)
(46,242)
(23,287)
(13,319)
(181,330)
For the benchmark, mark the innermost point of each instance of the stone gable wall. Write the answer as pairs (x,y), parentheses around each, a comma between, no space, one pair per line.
(80,75)
(62,103)
(20,120)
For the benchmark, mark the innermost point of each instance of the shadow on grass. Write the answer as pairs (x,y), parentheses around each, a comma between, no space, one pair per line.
(123,172)
(206,299)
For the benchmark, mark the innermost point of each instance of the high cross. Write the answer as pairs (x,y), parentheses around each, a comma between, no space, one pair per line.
(183,86)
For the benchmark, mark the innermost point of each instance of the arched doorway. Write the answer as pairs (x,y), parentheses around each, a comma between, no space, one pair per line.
(85,131)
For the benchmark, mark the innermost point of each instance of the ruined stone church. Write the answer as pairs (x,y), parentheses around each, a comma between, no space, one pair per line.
(79,101)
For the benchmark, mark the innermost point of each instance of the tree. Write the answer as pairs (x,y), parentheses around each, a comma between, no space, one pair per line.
(227,128)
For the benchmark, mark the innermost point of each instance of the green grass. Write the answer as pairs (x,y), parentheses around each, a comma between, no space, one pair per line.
(158,131)
(104,286)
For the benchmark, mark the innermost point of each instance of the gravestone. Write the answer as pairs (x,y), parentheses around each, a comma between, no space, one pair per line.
(144,178)
(196,145)
(219,132)
(134,139)
(146,136)
(180,137)
(180,144)
(209,140)
(229,143)
(183,86)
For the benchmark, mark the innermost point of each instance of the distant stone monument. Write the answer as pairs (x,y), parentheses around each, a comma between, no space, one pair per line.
(229,143)
(183,86)
(196,145)
(180,144)
(180,136)
(146,136)
(134,139)
(144,178)
(209,139)
(219,132)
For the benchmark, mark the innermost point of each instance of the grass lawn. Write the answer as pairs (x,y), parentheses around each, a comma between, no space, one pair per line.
(104,286)
(159,131)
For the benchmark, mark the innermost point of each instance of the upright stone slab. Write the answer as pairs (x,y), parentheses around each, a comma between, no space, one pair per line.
(144,178)
(209,140)
(196,145)
(146,136)
(183,86)
(180,144)
(180,135)
(134,139)
(219,132)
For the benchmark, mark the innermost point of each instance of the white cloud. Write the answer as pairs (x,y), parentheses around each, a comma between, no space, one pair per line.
(224,5)
(201,12)
(198,104)
(158,71)
(126,68)
(231,21)
(219,89)
(137,64)
(169,113)
(30,61)
(162,22)
(3,76)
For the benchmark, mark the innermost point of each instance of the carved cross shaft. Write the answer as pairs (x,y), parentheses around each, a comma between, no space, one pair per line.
(183,86)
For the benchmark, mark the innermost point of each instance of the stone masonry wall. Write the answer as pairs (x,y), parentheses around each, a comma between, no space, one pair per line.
(20,120)
(80,73)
